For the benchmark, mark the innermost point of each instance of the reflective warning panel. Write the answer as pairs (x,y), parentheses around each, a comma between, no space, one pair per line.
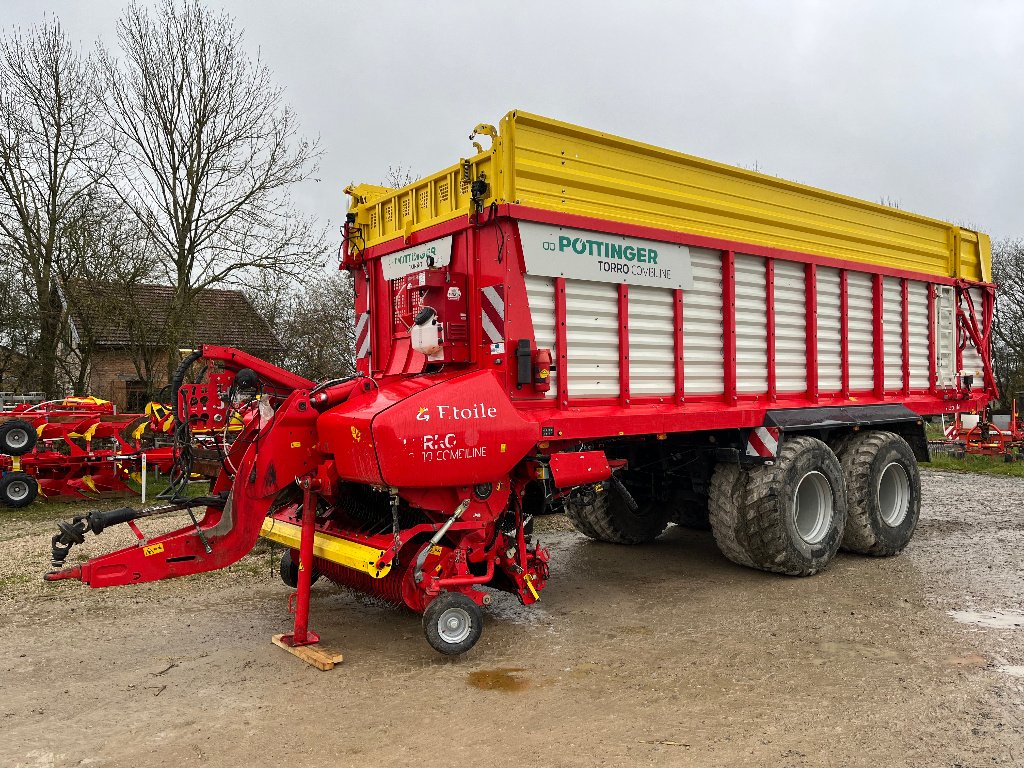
(580,254)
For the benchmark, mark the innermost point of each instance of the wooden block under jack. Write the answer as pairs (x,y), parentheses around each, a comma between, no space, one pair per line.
(313,655)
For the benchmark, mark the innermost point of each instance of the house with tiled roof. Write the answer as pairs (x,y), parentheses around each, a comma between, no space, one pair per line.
(120,329)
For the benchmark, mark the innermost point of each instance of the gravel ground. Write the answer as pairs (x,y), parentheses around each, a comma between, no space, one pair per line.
(658,655)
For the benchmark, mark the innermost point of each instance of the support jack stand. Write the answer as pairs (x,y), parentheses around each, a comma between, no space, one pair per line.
(302,642)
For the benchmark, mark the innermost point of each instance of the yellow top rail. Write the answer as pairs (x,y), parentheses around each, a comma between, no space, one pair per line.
(543,163)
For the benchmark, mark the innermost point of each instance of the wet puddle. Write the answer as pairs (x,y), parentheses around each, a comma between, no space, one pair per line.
(506,679)
(990,619)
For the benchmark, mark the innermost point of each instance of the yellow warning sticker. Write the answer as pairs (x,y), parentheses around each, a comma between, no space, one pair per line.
(436,550)
(296,444)
(152,549)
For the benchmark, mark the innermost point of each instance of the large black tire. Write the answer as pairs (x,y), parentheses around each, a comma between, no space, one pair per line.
(452,623)
(17,437)
(18,490)
(760,520)
(883,491)
(601,512)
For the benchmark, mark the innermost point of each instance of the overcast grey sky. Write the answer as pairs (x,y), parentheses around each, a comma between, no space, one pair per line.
(921,102)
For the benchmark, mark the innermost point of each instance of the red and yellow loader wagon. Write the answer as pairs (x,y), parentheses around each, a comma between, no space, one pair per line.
(638,335)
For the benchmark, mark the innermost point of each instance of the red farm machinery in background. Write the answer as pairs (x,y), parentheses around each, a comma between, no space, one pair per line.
(985,433)
(76,447)
(576,320)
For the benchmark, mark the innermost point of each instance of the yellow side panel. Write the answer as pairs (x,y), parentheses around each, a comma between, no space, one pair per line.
(562,167)
(384,214)
(555,166)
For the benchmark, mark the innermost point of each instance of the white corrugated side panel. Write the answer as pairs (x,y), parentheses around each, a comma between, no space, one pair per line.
(702,325)
(920,331)
(859,331)
(652,350)
(592,338)
(751,326)
(830,344)
(790,327)
(945,336)
(540,293)
(972,360)
(892,331)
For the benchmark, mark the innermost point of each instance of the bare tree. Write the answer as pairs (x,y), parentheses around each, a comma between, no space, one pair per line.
(209,152)
(1008,341)
(17,328)
(106,256)
(51,155)
(314,323)
(399,176)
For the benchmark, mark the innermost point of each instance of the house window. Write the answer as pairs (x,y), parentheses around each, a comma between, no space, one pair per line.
(136,395)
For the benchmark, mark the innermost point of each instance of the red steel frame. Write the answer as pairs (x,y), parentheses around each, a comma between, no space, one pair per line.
(677,332)
(769,296)
(844,332)
(623,343)
(811,286)
(587,417)
(878,332)
(728,325)
(933,363)
(905,331)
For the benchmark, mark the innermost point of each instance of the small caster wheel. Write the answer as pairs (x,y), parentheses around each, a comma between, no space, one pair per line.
(17,437)
(18,489)
(290,570)
(452,623)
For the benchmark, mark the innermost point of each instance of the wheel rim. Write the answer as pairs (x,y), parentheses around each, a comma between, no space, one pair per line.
(894,494)
(454,625)
(812,507)
(17,438)
(17,490)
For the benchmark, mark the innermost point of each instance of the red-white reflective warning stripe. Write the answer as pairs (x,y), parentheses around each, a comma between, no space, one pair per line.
(363,336)
(492,306)
(763,442)
(951,429)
